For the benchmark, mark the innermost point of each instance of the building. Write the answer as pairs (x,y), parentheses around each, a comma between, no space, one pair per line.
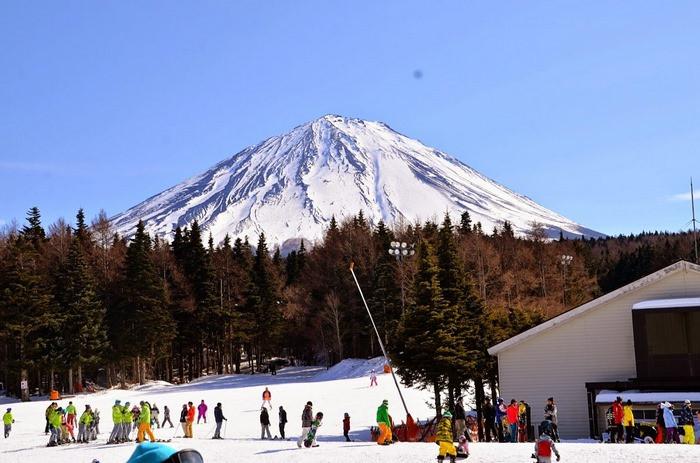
(643,337)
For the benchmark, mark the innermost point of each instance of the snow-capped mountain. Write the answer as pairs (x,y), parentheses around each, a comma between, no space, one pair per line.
(289,186)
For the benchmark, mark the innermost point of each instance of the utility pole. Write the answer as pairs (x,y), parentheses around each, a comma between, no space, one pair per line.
(695,230)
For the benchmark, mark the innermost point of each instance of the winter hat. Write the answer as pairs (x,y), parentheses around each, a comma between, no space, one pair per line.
(687,402)
(385,402)
(9,409)
(117,402)
(447,414)
(151,452)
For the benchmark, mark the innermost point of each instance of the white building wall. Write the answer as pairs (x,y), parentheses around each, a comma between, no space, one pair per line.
(596,346)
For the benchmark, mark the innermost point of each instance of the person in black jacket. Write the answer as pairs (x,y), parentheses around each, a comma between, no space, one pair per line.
(218,418)
(264,423)
(183,419)
(166,417)
(460,418)
(283,421)
(489,421)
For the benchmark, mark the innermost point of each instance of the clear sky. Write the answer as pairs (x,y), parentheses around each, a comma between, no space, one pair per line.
(590,108)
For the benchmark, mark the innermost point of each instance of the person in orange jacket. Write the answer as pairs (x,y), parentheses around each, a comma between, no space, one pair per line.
(190,419)
(267,398)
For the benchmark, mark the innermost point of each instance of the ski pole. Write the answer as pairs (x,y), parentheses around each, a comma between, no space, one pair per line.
(225,426)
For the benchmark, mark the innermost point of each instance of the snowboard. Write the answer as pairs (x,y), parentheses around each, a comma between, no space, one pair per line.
(310,436)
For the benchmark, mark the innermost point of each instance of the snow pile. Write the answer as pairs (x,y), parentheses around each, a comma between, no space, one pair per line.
(291,185)
(352,368)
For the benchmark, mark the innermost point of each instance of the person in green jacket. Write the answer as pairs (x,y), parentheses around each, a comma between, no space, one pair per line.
(384,423)
(126,422)
(71,413)
(145,423)
(83,424)
(7,420)
(55,426)
(117,420)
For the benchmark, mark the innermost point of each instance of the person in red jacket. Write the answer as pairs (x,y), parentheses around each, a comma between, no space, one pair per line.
(617,432)
(512,415)
(346,427)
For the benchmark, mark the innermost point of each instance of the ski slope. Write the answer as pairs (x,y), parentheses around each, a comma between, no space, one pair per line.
(343,388)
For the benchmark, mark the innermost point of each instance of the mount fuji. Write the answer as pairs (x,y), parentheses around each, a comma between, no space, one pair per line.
(289,187)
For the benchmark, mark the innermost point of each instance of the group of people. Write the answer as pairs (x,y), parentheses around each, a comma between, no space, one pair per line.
(513,422)
(60,424)
(669,427)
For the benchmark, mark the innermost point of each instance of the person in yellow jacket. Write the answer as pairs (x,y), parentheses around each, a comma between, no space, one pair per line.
(83,424)
(7,420)
(628,422)
(55,415)
(443,438)
(145,423)
(117,420)
(126,422)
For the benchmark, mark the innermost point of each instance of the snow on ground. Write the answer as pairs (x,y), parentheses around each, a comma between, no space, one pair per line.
(343,388)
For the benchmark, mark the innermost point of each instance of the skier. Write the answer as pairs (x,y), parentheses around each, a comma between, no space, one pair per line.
(54,426)
(373,379)
(267,397)
(218,418)
(264,423)
(145,423)
(385,437)
(346,427)
(126,422)
(117,420)
(686,421)
(202,412)
(489,421)
(71,414)
(282,421)
(306,419)
(618,415)
(551,413)
(67,430)
(85,420)
(154,416)
(7,421)
(671,425)
(166,416)
(512,417)
(183,420)
(628,422)
(311,437)
(443,438)
(48,412)
(190,418)
(460,418)
(544,448)
(94,428)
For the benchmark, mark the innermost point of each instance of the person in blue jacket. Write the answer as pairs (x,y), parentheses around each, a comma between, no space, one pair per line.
(671,425)
(155,452)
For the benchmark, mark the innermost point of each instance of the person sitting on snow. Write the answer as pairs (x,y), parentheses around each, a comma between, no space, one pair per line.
(463,447)
(443,438)
(544,448)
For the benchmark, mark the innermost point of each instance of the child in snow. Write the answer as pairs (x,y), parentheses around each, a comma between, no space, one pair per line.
(444,438)
(544,448)
(267,398)
(373,379)
(463,447)
(202,412)
(346,427)
(7,420)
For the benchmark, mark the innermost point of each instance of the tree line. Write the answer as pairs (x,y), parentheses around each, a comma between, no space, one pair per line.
(79,301)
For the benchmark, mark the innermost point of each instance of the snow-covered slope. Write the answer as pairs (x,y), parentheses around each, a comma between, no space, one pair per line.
(289,186)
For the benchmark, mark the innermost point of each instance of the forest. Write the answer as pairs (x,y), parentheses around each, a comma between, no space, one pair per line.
(79,303)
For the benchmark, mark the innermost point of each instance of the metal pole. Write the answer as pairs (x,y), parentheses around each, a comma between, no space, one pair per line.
(695,231)
(381,344)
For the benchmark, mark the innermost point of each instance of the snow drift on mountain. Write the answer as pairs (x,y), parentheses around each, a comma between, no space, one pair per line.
(289,186)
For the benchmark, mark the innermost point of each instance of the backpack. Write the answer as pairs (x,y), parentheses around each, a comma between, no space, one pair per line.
(544,448)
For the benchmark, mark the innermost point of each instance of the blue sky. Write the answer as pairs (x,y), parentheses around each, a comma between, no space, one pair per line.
(590,108)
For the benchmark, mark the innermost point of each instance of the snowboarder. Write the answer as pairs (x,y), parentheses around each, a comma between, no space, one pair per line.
(202,412)
(306,418)
(551,413)
(166,417)
(544,448)
(443,438)
(183,420)
(117,420)
(190,419)
(490,432)
(618,414)
(346,427)
(282,421)
(155,412)
(686,421)
(628,422)
(385,437)
(145,423)
(85,420)
(671,425)
(373,379)
(7,421)
(71,414)
(512,417)
(264,423)
(267,398)
(460,418)
(218,418)
(311,437)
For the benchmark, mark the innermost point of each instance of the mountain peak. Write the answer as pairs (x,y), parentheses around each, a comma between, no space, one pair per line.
(289,186)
